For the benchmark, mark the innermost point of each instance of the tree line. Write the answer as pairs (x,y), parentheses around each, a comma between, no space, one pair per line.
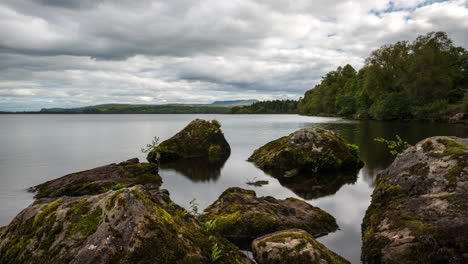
(268,107)
(426,79)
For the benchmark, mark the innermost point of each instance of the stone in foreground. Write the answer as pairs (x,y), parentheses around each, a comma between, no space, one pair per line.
(293,246)
(131,225)
(307,150)
(200,138)
(241,216)
(419,208)
(101,179)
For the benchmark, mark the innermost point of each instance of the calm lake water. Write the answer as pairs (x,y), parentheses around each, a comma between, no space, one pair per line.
(37,148)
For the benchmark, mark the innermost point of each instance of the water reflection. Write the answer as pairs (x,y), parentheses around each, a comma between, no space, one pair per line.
(315,186)
(197,169)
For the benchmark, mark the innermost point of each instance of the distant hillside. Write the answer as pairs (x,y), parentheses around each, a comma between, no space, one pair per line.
(236,102)
(142,109)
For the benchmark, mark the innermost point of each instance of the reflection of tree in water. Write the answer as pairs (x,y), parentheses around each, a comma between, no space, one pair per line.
(309,186)
(197,169)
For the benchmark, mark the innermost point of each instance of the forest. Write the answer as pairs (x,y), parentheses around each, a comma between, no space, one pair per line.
(268,107)
(426,79)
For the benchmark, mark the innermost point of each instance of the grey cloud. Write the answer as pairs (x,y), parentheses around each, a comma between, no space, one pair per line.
(70,53)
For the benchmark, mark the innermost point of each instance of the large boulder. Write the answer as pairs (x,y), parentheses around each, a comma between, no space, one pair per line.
(241,216)
(419,208)
(293,246)
(101,179)
(307,150)
(200,138)
(131,225)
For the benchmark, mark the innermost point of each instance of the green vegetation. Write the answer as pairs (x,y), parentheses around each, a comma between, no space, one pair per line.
(424,80)
(394,146)
(143,109)
(268,107)
(215,253)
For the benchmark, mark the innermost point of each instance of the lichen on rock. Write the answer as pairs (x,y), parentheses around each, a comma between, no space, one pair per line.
(100,179)
(200,138)
(293,246)
(130,225)
(241,216)
(307,150)
(419,208)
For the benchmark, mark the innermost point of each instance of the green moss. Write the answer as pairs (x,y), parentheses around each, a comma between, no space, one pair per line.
(451,148)
(454,173)
(111,201)
(83,219)
(214,150)
(295,257)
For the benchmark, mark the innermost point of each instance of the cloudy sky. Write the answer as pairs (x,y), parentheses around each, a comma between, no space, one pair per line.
(68,53)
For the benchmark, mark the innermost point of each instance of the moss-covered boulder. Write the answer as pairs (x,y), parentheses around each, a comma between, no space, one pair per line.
(130,225)
(419,208)
(293,246)
(101,179)
(307,150)
(200,138)
(241,216)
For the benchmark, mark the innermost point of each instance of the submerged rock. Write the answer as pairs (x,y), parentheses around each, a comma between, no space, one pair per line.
(131,225)
(419,208)
(101,179)
(293,246)
(306,150)
(200,138)
(241,216)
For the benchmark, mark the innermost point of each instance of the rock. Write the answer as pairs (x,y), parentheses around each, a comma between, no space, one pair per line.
(257,183)
(419,208)
(241,216)
(101,179)
(200,138)
(131,225)
(293,246)
(306,150)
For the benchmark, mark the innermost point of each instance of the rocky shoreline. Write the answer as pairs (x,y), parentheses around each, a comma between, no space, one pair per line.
(118,213)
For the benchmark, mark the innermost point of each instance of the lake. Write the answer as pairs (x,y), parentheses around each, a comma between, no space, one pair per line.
(37,148)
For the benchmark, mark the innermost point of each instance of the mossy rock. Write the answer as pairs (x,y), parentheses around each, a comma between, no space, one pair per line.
(307,150)
(241,216)
(293,246)
(419,209)
(101,179)
(200,138)
(130,225)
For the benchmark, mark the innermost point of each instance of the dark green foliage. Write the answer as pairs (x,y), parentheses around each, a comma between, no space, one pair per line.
(143,109)
(268,107)
(425,80)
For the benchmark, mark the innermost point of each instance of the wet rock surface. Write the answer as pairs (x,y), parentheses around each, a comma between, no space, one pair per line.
(292,246)
(200,138)
(241,216)
(134,224)
(100,179)
(306,150)
(419,208)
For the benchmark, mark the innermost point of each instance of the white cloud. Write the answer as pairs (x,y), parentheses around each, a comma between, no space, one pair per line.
(59,54)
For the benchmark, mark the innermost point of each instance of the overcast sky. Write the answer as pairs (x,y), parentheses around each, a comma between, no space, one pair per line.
(68,53)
